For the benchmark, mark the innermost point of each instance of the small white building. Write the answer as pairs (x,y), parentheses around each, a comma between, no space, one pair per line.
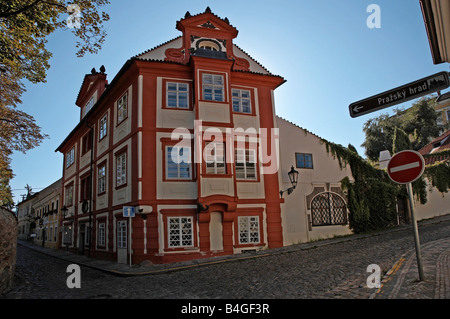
(317,208)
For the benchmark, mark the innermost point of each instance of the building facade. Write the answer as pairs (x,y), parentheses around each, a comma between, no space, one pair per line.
(26,219)
(47,216)
(185,134)
(317,208)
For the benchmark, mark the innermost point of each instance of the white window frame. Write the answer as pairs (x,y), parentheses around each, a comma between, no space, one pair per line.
(122,108)
(121,169)
(103,127)
(70,157)
(177,234)
(215,159)
(101,237)
(177,93)
(101,179)
(180,161)
(248,233)
(122,234)
(69,195)
(88,105)
(243,159)
(216,84)
(238,96)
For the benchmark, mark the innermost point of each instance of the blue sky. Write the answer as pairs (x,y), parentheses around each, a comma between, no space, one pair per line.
(323,48)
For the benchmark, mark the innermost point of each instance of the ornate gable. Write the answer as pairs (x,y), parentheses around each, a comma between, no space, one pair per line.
(206,35)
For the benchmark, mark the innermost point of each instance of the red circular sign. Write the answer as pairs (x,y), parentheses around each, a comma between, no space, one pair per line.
(406,167)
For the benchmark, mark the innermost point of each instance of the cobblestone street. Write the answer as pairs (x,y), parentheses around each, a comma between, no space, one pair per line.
(323,270)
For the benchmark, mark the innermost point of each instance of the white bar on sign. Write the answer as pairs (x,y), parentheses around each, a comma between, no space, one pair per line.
(404,167)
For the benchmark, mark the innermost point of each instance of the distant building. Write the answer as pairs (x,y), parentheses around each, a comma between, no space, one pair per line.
(317,208)
(443,109)
(47,213)
(26,217)
(437,150)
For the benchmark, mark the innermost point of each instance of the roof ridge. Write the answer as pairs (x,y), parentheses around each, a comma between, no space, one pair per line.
(157,47)
(253,59)
(207,10)
(300,127)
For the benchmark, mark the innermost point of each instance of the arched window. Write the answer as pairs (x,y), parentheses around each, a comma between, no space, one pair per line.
(328,209)
(209,45)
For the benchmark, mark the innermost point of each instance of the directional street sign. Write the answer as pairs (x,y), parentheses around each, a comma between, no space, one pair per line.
(128,211)
(413,90)
(406,167)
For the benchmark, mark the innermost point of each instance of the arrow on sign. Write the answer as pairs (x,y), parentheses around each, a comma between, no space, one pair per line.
(357,108)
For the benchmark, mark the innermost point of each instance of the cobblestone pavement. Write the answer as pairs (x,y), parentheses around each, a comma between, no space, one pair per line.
(322,270)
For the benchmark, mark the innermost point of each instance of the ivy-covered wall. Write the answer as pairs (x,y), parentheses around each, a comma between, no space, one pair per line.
(372,196)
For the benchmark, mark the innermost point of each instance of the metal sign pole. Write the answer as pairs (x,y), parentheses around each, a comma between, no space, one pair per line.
(416,232)
(129,236)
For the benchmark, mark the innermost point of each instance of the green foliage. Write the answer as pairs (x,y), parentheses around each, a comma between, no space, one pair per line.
(418,123)
(372,196)
(439,175)
(400,141)
(24,28)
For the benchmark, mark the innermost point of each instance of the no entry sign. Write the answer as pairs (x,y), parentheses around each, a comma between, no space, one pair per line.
(406,167)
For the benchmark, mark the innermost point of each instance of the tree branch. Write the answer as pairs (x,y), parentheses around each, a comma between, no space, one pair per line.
(11,13)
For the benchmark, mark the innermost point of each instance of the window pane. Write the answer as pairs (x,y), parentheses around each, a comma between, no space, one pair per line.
(171,86)
(182,100)
(172,99)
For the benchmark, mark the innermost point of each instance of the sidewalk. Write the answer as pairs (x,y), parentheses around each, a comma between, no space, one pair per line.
(401,282)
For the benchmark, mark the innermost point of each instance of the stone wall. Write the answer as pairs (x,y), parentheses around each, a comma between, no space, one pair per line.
(8,248)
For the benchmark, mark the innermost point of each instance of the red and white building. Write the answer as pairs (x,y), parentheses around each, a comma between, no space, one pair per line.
(184,133)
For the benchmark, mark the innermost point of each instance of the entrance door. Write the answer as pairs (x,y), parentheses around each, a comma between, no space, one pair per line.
(122,241)
(216,231)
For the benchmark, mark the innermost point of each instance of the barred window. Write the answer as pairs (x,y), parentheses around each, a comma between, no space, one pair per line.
(248,229)
(328,209)
(67,235)
(180,232)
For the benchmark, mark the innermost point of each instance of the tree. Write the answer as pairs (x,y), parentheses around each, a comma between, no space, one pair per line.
(401,141)
(418,123)
(24,27)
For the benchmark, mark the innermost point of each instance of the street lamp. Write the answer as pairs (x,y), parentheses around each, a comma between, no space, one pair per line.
(64,211)
(293,178)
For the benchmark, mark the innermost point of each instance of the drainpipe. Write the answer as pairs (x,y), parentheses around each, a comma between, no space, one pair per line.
(90,188)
